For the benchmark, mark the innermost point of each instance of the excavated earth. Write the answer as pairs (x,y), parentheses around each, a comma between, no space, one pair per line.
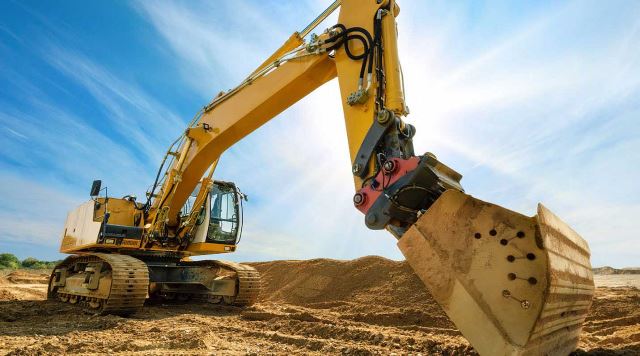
(366,306)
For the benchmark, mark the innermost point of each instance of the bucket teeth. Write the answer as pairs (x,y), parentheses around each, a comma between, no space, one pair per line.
(512,284)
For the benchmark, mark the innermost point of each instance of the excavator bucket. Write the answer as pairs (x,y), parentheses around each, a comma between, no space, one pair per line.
(512,284)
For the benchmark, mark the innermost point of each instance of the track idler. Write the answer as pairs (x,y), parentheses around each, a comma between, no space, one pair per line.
(512,284)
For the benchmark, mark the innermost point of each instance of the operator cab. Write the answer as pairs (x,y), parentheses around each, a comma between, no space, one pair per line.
(221,219)
(225,217)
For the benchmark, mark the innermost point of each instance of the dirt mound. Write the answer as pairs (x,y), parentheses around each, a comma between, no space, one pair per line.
(366,306)
(368,280)
(7,295)
(370,289)
(613,322)
(27,277)
(610,270)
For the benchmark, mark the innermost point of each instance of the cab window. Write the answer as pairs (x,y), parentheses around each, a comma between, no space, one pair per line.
(224,219)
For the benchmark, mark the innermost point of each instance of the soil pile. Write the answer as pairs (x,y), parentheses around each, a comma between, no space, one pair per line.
(23,285)
(366,306)
(26,277)
(611,270)
(367,280)
(369,289)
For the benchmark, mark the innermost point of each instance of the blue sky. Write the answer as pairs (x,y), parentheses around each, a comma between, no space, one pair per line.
(530,101)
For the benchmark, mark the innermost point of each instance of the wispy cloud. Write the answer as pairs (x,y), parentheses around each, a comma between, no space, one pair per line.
(530,101)
(203,35)
(25,211)
(51,150)
(516,110)
(135,115)
(544,114)
(300,185)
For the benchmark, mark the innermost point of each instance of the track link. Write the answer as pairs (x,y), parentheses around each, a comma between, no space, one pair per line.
(249,283)
(129,284)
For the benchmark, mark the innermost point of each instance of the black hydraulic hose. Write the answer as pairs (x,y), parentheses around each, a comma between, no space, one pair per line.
(345,31)
(353,33)
(154,186)
(363,56)
(377,25)
(376,44)
(372,53)
(344,38)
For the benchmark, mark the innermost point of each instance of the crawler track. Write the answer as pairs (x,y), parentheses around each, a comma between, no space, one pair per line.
(249,283)
(122,288)
(129,284)
(119,284)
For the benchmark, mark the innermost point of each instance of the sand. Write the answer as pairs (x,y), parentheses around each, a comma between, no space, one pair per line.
(366,306)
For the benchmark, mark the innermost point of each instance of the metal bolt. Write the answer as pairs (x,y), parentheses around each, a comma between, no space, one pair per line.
(383,116)
(389,166)
(525,304)
(356,168)
(358,199)
(371,219)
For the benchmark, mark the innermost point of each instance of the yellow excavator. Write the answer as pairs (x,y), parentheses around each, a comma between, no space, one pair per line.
(512,284)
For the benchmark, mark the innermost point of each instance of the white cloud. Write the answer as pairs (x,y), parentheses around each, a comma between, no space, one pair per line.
(54,154)
(79,152)
(504,110)
(31,212)
(205,35)
(536,105)
(137,117)
(546,114)
(300,185)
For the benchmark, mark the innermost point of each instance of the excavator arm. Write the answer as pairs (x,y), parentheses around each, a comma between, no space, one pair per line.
(512,284)
(231,117)
(393,184)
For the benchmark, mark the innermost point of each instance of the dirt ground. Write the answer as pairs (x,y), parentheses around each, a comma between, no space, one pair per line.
(366,306)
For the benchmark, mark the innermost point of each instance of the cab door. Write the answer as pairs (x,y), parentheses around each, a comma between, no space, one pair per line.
(225,215)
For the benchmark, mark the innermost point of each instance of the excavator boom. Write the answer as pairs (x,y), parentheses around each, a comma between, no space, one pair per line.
(512,284)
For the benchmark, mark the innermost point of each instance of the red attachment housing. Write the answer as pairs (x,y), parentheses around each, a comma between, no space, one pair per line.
(383,180)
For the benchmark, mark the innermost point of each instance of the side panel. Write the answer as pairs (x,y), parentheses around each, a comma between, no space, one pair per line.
(205,248)
(526,280)
(121,212)
(80,229)
(460,248)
